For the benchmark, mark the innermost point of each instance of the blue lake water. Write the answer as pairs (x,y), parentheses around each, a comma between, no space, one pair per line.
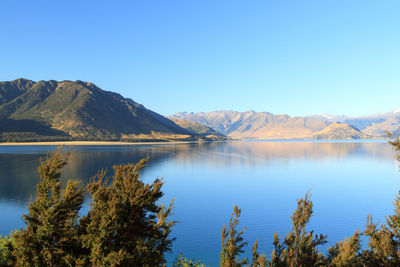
(347,181)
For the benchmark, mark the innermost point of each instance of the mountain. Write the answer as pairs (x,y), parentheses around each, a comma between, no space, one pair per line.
(199,129)
(256,125)
(391,124)
(358,122)
(375,124)
(340,131)
(264,125)
(77,110)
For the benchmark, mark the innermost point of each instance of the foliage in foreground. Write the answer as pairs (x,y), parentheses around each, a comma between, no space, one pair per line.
(299,247)
(181,261)
(126,227)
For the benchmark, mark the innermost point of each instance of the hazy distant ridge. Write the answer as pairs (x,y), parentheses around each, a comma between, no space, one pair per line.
(264,125)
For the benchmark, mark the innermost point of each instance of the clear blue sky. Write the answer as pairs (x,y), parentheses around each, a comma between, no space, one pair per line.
(294,57)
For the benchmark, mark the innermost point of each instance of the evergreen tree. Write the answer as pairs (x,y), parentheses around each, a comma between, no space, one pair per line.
(393,221)
(276,255)
(395,143)
(125,226)
(382,246)
(299,248)
(346,253)
(384,241)
(185,262)
(6,246)
(259,260)
(50,237)
(232,242)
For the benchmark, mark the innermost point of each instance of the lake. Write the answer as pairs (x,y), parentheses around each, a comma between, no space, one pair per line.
(347,181)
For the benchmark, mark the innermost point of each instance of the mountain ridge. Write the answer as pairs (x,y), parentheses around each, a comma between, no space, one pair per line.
(282,126)
(340,131)
(78,110)
(200,129)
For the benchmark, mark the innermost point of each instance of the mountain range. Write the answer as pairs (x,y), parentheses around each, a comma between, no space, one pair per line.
(77,110)
(264,125)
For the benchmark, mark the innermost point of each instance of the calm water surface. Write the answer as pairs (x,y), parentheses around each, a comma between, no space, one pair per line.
(347,180)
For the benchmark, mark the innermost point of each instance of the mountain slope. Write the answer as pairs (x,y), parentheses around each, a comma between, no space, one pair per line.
(375,124)
(255,125)
(79,110)
(339,131)
(264,125)
(13,89)
(199,129)
(392,124)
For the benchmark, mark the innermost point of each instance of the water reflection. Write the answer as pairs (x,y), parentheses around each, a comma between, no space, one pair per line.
(18,164)
(252,153)
(18,171)
(348,181)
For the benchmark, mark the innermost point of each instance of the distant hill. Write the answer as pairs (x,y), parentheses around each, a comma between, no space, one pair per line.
(77,110)
(264,125)
(199,129)
(391,124)
(256,125)
(375,124)
(339,131)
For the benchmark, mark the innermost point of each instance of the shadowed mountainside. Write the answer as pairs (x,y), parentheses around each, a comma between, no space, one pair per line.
(199,129)
(67,110)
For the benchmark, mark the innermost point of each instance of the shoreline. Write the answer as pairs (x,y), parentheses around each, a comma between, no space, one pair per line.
(90,143)
(119,143)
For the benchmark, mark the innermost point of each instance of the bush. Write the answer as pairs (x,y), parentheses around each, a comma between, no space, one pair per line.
(124,226)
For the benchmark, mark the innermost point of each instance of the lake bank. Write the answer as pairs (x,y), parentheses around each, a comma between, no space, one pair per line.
(119,143)
(91,143)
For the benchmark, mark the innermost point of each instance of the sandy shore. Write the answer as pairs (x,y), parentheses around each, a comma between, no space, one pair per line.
(90,143)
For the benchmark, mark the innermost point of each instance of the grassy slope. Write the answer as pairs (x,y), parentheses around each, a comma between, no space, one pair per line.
(77,111)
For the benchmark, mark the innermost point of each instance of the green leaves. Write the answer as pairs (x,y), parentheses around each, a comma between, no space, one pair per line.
(50,236)
(232,242)
(300,246)
(124,227)
(181,261)
(346,253)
